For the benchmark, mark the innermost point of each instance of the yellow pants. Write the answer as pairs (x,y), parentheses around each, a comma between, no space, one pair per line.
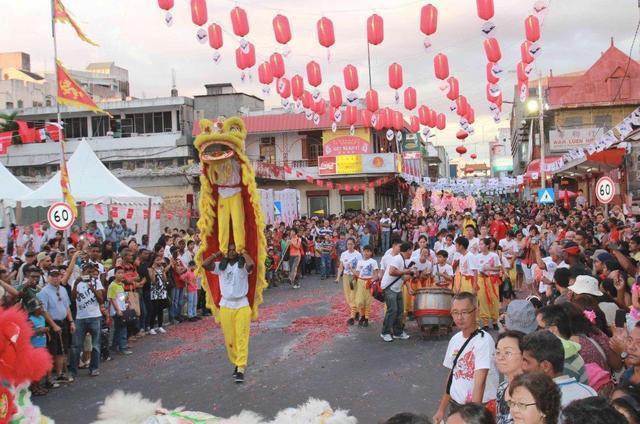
(350,295)
(231,208)
(463,283)
(407,300)
(363,298)
(488,298)
(235,325)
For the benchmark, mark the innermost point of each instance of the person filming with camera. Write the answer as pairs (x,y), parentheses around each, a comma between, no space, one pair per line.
(397,273)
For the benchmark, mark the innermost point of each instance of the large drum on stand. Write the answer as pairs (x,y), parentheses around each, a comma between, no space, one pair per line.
(432,307)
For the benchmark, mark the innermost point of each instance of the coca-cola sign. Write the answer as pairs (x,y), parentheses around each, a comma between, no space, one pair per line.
(327,165)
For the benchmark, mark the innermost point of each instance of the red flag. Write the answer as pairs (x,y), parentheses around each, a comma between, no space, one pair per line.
(339,186)
(329,185)
(61,15)
(170,216)
(371,184)
(99,209)
(158,214)
(347,187)
(287,169)
(54,131)
(145,213)
(310,180)
(70,93)
(114,212)
(298,174)
(37,230)
(5,142)
(129,213)
(28,135)
(320,183)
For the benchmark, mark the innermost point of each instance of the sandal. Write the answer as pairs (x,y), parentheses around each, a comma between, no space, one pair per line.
(39,391)
(83,365)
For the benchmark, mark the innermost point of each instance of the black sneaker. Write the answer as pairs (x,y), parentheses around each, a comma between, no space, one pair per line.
(365,322)
(351,321)
(361,322)
(239,377)
(235,372)
(357,316)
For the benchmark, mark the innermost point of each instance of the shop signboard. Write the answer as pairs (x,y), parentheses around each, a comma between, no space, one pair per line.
(342,142)
(377,163)
(563,140)
(349,164)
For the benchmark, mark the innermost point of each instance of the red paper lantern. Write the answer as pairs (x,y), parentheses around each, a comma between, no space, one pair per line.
(414,124)
(199,12)
(474,156)
(281,29)
(320,107)
(241,60)
(395,76)
(351,115)
(307,99)
(461,105)
(428,19)
(441,121)
(371,98)
(165,4)
(375,29)
(314,76)
(521,72)
(388,117)
(297,86)
(326,37)
(250,56)
(490,77)
(366,117)
(492,50)
(380,120)
(277,65)
(410,98)
(454,88)
(423,114)
(462,134)
(215,36)
(433,118)
(239,21)
(350,74)
(471,115)
(335,96)
(284,88)
(524,52)
(532,28)
(461,150)
(398,120)
(441,66)
(485,9)
(265,74)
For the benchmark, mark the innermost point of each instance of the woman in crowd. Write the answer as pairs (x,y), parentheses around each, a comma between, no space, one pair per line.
(509,364)
(158,294)
(626,400)
(471,413)
(534,399)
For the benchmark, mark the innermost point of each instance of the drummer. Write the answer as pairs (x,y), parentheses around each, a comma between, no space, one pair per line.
(423,243)
(489,269)
(421,279)
(442,272)
(366,271)
(465,277)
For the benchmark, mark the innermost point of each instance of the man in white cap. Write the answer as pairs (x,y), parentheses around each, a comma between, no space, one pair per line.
(586,284)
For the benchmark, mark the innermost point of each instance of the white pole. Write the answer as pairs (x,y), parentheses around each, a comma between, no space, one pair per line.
(541,124)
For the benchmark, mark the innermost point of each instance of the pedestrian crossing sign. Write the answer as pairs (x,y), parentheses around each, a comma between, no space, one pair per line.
(546,196)
(277,208)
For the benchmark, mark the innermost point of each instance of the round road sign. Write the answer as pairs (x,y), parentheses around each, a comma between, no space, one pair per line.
(60,216)
(605,190)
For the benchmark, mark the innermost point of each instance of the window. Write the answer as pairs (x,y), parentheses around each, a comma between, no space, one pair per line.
(147,123)
(268,149)
(9,105)
(353,203)
(573,121)
(602,121)
(315,150)
(47,102)
(100,125)
(20,104)
(115,165)
(318,205)
(75,128)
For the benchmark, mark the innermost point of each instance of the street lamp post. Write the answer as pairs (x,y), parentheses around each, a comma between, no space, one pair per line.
(537,105)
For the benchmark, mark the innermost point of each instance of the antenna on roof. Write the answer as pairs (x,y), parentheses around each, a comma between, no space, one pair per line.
(174,90)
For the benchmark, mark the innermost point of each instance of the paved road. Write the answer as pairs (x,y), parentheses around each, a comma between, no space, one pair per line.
(300,348)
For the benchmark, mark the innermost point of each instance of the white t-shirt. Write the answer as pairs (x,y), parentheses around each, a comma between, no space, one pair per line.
(186,257)
(509,247)
(234,179)
(350,261)
(425,266)
(385,221)
(490,260)
(398,263)
(551,269)
(384,262)
(473,245)
(366,268)
(451,250)
(479,354)
(86,303)
(415,256)
(438,269)
(467,264)
(234,286)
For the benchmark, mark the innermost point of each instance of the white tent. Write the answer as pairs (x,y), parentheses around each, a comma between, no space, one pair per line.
(11,189)
(90,181)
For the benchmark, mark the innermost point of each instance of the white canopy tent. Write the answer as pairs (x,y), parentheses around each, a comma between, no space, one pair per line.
(90,181)
(11,190)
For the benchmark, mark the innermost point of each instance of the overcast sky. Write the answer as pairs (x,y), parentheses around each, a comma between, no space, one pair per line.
(133,34)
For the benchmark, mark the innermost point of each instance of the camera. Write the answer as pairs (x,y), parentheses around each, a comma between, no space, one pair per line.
(86,278)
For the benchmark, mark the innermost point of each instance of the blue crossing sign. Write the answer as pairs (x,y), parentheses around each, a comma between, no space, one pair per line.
(546,196)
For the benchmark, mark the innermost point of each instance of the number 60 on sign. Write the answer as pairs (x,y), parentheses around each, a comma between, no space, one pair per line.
(605,190)
(60,216)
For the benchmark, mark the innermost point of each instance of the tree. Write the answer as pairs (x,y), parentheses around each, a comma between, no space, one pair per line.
(8,123)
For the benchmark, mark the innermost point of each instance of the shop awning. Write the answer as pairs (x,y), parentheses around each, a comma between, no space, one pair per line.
(534,167)
(600,161)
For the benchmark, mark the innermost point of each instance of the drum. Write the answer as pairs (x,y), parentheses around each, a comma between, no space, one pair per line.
(433,307)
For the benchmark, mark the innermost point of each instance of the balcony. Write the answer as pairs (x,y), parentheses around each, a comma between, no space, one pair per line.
(267,170)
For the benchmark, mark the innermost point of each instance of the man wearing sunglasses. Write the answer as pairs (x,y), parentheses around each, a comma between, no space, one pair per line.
(56,302)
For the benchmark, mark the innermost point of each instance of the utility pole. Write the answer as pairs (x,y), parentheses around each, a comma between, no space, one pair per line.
(541,124)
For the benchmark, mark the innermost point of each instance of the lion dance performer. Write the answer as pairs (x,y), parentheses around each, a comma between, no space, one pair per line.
(232,252)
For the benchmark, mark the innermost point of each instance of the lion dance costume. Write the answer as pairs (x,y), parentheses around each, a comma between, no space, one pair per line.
(230,213)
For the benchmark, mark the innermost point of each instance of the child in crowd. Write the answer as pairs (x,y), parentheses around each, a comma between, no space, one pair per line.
(269,268)
(442,272)
(325,247)
(192,292)
(39,339)
(366,270)
(118,305)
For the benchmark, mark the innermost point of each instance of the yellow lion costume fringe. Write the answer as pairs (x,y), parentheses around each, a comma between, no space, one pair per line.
(231,134)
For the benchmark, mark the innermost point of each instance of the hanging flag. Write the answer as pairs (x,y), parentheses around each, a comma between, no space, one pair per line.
(114,212)
(158,214)
(27,135)
(70,93)
(145,213)
(99,209)
(129,213)
(60,15)
(64,183)
(5,142)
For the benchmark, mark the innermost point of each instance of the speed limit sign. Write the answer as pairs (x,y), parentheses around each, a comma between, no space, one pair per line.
(605,190)
(60,216)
